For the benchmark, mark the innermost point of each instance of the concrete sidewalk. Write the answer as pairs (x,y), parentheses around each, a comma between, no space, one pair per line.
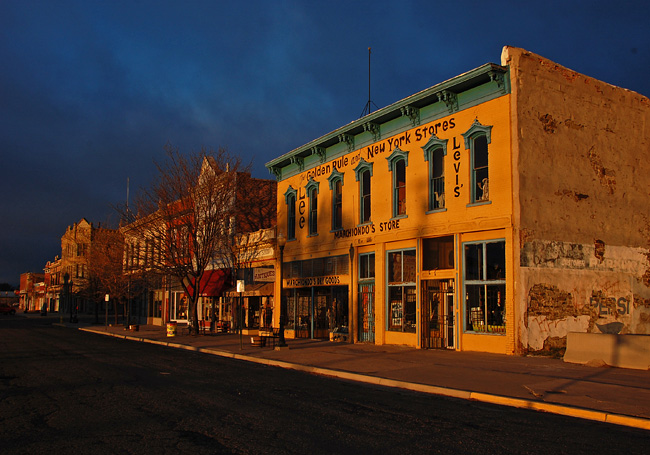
(613,395)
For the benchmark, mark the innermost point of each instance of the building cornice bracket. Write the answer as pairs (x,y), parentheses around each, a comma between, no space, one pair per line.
(499,78)
(276,171)
(411,112)
(299,161)
(348,139)
(450,99)
(320,151)
(374,129)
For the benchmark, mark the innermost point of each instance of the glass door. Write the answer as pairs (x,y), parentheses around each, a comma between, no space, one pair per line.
(367,312)
(437,314)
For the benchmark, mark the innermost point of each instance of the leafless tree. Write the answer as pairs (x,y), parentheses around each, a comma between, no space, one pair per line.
(105,268)
(180,226)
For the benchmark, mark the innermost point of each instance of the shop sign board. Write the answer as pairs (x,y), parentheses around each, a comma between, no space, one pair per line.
(263,274)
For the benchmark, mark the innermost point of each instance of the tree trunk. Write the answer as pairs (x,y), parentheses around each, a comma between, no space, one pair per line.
(195,311)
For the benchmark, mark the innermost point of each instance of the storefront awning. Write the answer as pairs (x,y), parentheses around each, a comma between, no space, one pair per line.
(213,282)
(252,290)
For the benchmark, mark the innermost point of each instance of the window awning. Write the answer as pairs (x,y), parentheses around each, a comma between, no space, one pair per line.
(214,282)
(252,290)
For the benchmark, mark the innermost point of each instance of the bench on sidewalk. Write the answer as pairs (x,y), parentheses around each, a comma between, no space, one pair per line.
(222,326)
(206,326)
(270,334)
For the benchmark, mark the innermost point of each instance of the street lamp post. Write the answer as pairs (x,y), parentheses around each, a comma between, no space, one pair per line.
(282,241)
(73,308)
(67,305)
(107,299)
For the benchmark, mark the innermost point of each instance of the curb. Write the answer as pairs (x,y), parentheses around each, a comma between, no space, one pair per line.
(569,411)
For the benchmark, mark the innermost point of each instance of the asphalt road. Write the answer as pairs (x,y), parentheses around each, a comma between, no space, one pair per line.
(66,391)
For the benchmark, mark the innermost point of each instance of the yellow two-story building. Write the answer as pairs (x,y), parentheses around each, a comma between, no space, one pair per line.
(411,225)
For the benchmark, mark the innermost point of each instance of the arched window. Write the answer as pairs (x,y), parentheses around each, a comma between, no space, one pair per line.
(312,194)
(477,139)
(397,162)
(336,186)
(290,199)
(434,152)
(363,172)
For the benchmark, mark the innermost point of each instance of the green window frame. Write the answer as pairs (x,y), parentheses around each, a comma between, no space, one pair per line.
(397,164)
(336,186)
(477,140)
(401,269)
(290,199)
(435,151)
(312,193)
(484,285)
(363,175)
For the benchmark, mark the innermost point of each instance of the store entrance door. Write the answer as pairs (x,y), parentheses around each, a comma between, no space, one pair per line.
(437,314)
(367,312)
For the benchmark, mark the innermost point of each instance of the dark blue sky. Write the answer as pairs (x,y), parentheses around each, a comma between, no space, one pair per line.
(91,91)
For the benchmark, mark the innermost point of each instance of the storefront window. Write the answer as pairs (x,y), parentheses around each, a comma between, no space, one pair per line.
(401,291)
(180,307)
(207,305)
(485,288)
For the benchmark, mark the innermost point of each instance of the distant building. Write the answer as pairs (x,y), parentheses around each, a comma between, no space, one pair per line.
(32,291)
(496,211)
(80,249)
(53,282)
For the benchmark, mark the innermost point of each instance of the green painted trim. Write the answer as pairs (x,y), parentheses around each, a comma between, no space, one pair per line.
(464,91)
(362,166)
(334,176)
(395,156)
(290,192)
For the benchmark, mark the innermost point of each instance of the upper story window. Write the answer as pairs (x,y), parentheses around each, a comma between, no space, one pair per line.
(312,194)
(82,249)
(336,186)
(367,266)
(434,152)
(397,162)
(363,173)
(477,139)
(290,199)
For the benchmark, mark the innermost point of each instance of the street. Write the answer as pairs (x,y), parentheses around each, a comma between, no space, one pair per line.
(66,391)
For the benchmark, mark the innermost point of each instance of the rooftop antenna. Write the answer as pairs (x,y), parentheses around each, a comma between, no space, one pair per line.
(369,104)
(128,211)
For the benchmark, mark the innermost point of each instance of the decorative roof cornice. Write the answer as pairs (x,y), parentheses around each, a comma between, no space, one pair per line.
(449,92)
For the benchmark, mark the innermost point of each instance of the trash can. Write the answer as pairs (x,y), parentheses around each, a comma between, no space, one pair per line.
(171,329)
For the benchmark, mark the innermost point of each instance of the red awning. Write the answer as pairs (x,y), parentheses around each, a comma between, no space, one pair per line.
(213,282)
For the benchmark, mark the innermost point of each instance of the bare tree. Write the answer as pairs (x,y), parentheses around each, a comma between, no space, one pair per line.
(179,225)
